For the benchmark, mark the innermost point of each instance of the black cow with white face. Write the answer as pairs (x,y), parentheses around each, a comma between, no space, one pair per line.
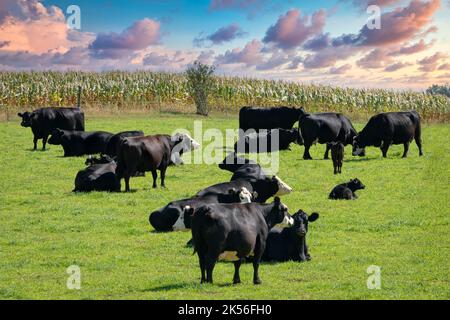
(325,128)
(79,143)
(284,244)
(100,175)
(346,191)
(173,217)
(268,141)
(389,128)
(233,232)
(45,120)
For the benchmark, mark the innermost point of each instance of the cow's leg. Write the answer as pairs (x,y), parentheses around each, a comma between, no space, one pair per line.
(419,144)
(335,166)
(44,142)
(237,278)
(327,151)
(384,148)
(307,255)
(257,254)
(306,154)
(127,182)
(201,259)
(210,262)
(405,149)
(35,140)
(163,177)
(155,176)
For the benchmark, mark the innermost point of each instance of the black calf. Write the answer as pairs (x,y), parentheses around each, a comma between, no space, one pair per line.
(347,190)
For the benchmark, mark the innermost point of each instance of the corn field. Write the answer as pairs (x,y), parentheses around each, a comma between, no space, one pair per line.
(125,91)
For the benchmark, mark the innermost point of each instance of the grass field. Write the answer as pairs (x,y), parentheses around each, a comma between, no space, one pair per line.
(400,223)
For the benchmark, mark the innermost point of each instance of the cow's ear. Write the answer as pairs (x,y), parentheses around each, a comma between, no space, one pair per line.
(313,217)
(277,200)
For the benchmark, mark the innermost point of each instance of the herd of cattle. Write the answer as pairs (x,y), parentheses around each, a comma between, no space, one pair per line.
(229,220)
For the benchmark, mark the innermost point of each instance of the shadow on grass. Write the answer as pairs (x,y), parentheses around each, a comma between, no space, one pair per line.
(169,287)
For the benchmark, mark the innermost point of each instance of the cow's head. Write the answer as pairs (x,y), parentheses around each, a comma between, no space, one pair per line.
(356,184)
(183,222)
(283,188)
(182,143)
(232,162)
(27,118)
(358,147)
(301,220)
(279,215)
(296,136)
(246,196)
(56,137)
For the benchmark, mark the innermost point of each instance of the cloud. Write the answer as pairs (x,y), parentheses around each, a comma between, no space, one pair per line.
(377,58)
(222,35)
(418,47)
(430,64)
(397,66)
(340,70)
(140,35)
(250,55)
(292,29)
(327,57)
(445,66)
(319,42)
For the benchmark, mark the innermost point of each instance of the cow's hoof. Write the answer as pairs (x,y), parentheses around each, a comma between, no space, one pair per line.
(236,281)
(257,281)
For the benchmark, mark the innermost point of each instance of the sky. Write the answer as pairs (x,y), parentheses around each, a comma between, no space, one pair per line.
(329,42)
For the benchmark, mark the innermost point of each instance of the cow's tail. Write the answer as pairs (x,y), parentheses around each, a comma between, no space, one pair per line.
(121,161)
(197,237)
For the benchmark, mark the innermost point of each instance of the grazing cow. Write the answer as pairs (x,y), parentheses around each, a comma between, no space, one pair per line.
(284,244)
(325,128)
(388,128)
(337,155)
(234,232)
(98,176)
(267,118)
(346,191)
(45,120)
(149,153)
(265,188)
(173,217)
(78,143)
(262,141)
(115,140)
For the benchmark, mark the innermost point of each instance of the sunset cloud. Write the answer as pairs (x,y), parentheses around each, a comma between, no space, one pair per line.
(222,35)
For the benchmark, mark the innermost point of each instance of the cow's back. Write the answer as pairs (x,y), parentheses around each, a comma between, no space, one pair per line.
(267,118)
(71,119)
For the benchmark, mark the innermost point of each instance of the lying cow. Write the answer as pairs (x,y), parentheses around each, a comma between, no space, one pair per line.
(267,118)
(45,120)
(346,191)
(79,143)
(388,128)
(242,168)
(284,244)
(100,175)
(325,128)
(173,217)
(149,153)
(268,141)
(264,188)
(234,232)
(114,142)
(233,162)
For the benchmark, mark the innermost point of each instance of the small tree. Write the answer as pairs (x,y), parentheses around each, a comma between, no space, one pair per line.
(437,89)
(200,80)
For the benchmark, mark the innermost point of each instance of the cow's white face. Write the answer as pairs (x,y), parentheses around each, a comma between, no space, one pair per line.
(283,188)
(245,196)
(187,144)
(179,225)
(288,221)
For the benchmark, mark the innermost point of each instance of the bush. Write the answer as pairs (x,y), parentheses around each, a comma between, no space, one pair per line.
(437,89)
(200,81)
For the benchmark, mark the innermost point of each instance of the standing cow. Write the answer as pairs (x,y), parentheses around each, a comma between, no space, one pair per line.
(115,140)
(325,128)
(234,232)
(149,153)
(388,128)
(45,120)
(267,118)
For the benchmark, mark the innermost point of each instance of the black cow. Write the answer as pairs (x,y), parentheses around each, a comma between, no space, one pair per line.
(284,244)
(268,141)
(388,128)
(324,128)
(115,140)
(267,118)
(264,188)
(79,143)
(242,168)
(346,191)
(149,153)
(45,120)
(234,232)
(91,160)
(173,217)
(100,176)
(232,162)
(337,155)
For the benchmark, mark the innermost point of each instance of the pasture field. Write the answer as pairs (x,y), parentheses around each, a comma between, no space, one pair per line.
(401,223)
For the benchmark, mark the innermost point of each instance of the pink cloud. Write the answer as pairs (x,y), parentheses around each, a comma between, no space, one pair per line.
(340,70)
(445,66)
(224,34)
(377,58)
(250,55)
(140,35)
(430,64)
(418,47)
(397,66)
(291,30)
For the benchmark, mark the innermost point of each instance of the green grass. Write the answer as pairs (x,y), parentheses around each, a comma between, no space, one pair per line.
(400,223)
